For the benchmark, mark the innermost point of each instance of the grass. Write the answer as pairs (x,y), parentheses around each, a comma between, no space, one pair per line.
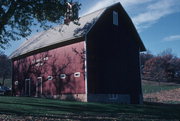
(15,107)
(157,88)
(167,93)
(56,109)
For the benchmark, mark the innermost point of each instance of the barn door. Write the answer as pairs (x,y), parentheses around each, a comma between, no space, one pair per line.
(39,87)
(27,87)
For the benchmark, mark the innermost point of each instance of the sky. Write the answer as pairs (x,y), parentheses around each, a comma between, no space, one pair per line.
(157,22)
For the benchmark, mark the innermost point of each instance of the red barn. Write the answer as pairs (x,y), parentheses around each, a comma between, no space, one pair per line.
(96,60)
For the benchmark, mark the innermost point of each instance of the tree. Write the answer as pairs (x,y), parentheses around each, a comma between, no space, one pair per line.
(163,67)
(5,67)
(17,17)
(154,69)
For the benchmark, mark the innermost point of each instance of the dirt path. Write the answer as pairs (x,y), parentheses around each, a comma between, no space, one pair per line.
(164,96)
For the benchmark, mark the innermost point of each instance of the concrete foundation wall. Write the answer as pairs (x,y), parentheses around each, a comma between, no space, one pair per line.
(72,97)
(109,98)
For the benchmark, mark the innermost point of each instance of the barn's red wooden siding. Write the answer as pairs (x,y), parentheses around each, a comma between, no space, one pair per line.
(64,60)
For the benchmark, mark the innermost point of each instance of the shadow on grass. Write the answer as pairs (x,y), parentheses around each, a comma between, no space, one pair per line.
(81,111)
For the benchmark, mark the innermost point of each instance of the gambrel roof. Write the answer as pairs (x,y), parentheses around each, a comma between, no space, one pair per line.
(63,33)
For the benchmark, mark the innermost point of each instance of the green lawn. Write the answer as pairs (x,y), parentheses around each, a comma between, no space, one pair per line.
(146,88)
(55,109)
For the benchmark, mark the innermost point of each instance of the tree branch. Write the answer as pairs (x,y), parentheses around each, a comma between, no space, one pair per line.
(5,18)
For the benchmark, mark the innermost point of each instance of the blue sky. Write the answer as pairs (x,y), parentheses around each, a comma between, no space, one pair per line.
(157,21)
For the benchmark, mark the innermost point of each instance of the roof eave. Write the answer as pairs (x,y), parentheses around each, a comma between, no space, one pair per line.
(53,46)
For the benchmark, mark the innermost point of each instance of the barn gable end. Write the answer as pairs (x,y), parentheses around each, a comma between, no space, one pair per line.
(113,59)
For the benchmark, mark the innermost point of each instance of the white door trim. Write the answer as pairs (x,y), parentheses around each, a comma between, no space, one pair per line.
(28,81)
(37,88)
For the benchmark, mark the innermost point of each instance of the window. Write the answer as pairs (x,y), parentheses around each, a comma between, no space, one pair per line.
(77,74)
(50,78)
(38,64)
(33,61)
(38,60)
(16,83)
(113,96)
(40,78)
(46,58)
(62,76)
(115,18)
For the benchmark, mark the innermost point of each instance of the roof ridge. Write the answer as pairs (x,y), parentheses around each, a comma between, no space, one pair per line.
(101,9)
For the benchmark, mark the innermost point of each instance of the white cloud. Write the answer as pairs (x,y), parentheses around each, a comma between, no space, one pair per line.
(144,13)
(154,12)
(128,3)
(172,38)
(105,3)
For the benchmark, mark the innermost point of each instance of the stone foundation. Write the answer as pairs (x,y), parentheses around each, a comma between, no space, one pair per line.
(110,98)
(106,98)
(72,97)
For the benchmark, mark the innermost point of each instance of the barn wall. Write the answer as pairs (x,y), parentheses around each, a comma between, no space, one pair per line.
(113,58)
(67,60)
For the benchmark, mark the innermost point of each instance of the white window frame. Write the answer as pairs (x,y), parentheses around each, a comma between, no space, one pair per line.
(50,77)
(33,61)
(38,64)
(62,76)
(77,74)
(45,58)
(38,60)
(16,83)
(115,18)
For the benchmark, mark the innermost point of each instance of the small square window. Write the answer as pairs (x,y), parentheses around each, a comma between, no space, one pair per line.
(115,18)
(77,74)
(16,83)
(62,76)
(38,64)
(38,60)
(33,61)
(50,78)
(45,58)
